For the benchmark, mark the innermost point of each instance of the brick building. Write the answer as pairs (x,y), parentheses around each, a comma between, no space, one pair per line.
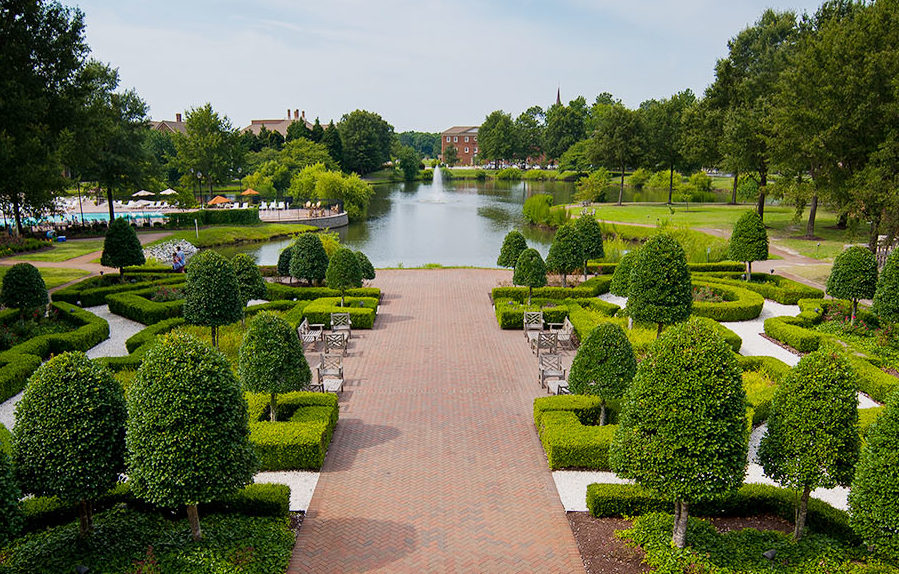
(280,125)
(464,139)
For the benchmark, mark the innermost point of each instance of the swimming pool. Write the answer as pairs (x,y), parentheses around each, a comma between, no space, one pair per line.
(95,216)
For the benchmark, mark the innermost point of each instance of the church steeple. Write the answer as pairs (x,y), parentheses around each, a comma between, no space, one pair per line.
(559,96)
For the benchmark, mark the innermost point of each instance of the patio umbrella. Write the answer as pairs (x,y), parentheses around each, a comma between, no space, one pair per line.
(218,200)
(250,191)
(143,193)
(168,191)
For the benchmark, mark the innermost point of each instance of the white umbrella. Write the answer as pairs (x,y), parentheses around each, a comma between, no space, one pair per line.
(142,193)
(169,191)
(142,203)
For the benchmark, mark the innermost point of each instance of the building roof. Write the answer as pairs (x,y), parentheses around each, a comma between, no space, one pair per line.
(169,126)
(461,130)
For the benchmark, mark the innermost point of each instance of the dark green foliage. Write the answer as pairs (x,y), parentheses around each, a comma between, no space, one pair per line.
(361,310)
(567,425)
(365,266)
(24,289)
(739,304)
(137,306)
(214,217)
(853,276)
(513,244)
(774,287)
(249,279)
(343,272)
(530,271)
(308,259)
(277,292)
(621,279)
(749,240)
(564,255)
(93,291)
(212,294)
(536,208)
(660,290)
(301,440)
(70,430)
(10,509)
(874,497)
(188,430)
(604,365)
(886,299)
(589,235)
(284,261)
(121,247)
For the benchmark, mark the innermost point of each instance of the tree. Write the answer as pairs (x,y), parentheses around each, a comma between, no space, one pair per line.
(331,140)
(343,272)
(530,271)
(497,138)
(366,140)
(513,244)
(297,130)
(24,289)
(198,451)
(70,432)
(365,266)
(451,155)
(284,261)
(121,247)
(683,432)
(317,132)
(886,297)
(271,360)
(593,187)
(410,163)
(210,150)
(660,289)
(577,158)
(812,439)
(250,283)
(621,279)
(665,133)
(529,127)
(211,293)
(564,255)
(853,276)
(616,142)
(297,154)
(11,517)
(603,366)
(589,235)
(748,241)
(308,259)
(874,496)
(565,126)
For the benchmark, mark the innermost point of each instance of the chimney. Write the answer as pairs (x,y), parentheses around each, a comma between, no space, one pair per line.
(288,113)
(296,114)
(178,118)
(304,115)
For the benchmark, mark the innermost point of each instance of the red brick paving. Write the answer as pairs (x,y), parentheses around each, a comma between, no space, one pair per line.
(435,465)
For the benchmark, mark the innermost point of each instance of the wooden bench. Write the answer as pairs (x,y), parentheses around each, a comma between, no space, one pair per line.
(565,334)
(549,366)
(310,334)
(545,342)
(336,342)
(341,323)
(329,374)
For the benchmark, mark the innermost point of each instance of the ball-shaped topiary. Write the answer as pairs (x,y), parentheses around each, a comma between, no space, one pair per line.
(249,279)
(121,247)
(188,428)
(589,235)
(812,439)
(682,431)
(513,244)
(564,255)
(211,293)
(271,360)
(308,259)
(343,272)
(621,279)
(530,271)
(886,298)
(368,270)
(11,517)
(603,366)
(660,290)
(284,261)
(24,289)
(70,431)
(853,276)
(748,241)
(874,496)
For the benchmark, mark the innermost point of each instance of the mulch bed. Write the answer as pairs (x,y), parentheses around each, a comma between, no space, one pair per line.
(783,345)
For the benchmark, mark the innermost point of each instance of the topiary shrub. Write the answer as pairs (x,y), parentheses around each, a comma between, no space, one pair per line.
(188,427)
(530,271)
(748,241)
(853,276)
(24,289)
(682,432)
(308,259)
(211,294)
(11,518)
(513,244)
(121,248)
(250,283)
(284,261)
(886,297)
(70,431)
(564,255)
(812,439)
(660,290)
(343,272)
(621,279)
(874,497)
(604,365)
(589,235)
(271,359)
(368,270)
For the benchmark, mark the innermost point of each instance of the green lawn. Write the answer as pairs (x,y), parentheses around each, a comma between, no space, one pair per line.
(53,277)
(64,251)
(225,234)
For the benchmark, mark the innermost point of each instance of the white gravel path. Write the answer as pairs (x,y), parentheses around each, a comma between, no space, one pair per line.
(8,411)
(120,330)
(301,483)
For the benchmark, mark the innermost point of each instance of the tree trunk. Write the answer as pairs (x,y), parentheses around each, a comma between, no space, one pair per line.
(630,323)
(194,519)
(812,211)
(681,514)
(659,332)
(274,406)
(109,202)
(843,221)
(341,299)
(564,282)
(16,213)
(670,184)
(748,270)
(801,512)
(602,413)
(854,312)
(85,512)
(530,291)
(874,234)
(621,188)
(585,269)
(215,337)
(733,198)
(763,183)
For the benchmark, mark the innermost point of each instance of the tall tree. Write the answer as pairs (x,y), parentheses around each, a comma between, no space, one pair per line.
(853,276)
(317,131)
(659,287)
(212,293)
(210,150)
(498,138)
(331,140)
(665,134)
(530,126)
(565,126)
(616,141)
(366,139)
(603,366)
(565,252)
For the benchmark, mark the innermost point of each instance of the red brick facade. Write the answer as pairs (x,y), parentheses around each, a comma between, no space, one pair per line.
(465,140)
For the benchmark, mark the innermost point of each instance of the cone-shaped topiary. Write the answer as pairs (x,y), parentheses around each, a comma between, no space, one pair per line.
(886,298)
(604,365)
(530,271)
(513,244)
(188,428)
(589,235)
(284,261)
(621,279)
(24,289)
(365,266)
(748,241)
(682,432)
(211,294)
(11,518)
(874,497)
(812,439)
(121,247)
(308,259)
(343,272)
(853,276)
(271,360)
(660,289)
(70,432)
(564,255)
(249,279)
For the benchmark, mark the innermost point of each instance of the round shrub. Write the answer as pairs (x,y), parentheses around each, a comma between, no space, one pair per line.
(603,366)
(308,259)
(564,255)
(589,235)
(271,360)
(621,279)
(121,247)
(513,244)
(886,298)
(188,429)
(660,289)
(343,272)
(368,270)
(211,293)
(70,431)
(749,240)
(530,271)
(24,289)
(284,261)
(250,283)
(11,518)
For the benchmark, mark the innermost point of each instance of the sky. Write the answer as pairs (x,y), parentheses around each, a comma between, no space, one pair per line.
(423,65)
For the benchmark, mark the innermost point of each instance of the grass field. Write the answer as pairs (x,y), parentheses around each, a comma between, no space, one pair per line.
(225,234)
(53,277)
(65,251)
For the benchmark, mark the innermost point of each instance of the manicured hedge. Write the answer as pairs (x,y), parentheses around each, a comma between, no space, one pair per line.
(720,266)
(214,217)
(93,291)
(319,311)
(278,292)
(775,368)
(598,285)
(739,304)
(774,287)
(5,440)
(510,312)
(136,306)
(15,368)
(729,336)
(566,428)
(520,294)
(301,440)
(585,318)
(149,334)
(619,500)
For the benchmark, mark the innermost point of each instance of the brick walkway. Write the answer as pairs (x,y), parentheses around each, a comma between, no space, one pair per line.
(435,465)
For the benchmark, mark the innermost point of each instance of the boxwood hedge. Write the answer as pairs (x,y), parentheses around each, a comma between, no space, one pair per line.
(136,306)
(93,291)
(277,291)
(510,312)
(774,287)
(300,439)
(739,304)
(567,429)
(362,316)
(719,266)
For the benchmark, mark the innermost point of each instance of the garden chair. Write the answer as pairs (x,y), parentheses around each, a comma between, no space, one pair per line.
(565,334)
(341,323)
(545,342)
(280,205)
(335,342)
(549,366)
(533,323)
(329,374)
(310,334)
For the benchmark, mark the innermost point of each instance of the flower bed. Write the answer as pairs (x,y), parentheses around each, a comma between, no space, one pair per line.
(737,303)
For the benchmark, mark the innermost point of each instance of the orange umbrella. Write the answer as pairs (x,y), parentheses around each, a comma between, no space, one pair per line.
(218,200)
(250,191)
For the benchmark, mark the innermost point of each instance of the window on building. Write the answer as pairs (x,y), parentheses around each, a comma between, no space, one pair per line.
(466,150)
(455,138)
(447,139)
(466,139)
(475,138)
(475,150)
